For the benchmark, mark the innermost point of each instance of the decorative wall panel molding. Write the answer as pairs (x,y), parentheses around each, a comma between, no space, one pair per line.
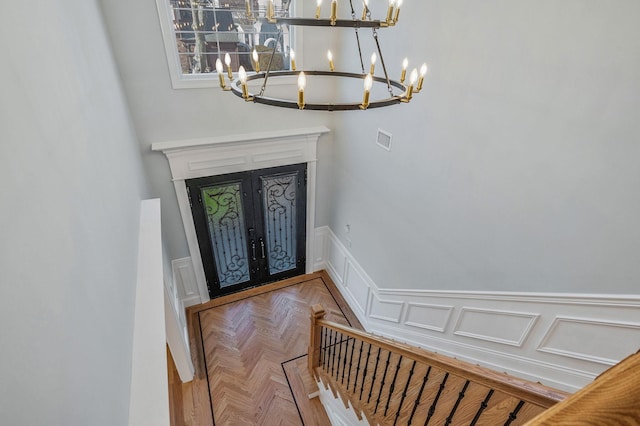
(184,278)
(509,328)
(561,340)
(603,342)
(386,310)
(430,317)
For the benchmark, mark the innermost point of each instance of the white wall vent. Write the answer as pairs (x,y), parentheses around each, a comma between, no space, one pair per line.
(384,139)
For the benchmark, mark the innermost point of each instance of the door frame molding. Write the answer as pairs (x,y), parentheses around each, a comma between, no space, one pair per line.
(194,158)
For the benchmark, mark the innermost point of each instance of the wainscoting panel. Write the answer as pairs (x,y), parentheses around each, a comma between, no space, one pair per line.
(561,340)
(386,310)
(357,288)
(603,342)
(185,278)
(429,317)
(509,328)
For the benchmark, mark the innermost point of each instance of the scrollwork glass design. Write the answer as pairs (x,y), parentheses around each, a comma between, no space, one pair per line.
(279,201)
(225,222)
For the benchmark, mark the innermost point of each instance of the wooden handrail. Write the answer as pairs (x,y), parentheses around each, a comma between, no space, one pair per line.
(534,393)
(612,399)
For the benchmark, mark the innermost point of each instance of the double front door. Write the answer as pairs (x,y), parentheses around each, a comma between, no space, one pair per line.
(250,226)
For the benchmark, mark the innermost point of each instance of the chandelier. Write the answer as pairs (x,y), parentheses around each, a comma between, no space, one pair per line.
(399,91)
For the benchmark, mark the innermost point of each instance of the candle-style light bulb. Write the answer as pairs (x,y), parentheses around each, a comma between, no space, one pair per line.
(365,9)
(397,14)
(302,83)
(413,77)
(334,11)
(318,7)
(227,61)
(292,55)
(373,63)
(220,71)
(403,74)
(242,75)
(248,7)
(390,12)
(423,72)
(368,83)
(271,11)
(256,60)
(330,58)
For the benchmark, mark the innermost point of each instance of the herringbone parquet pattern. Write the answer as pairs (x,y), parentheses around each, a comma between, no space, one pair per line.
(245,343)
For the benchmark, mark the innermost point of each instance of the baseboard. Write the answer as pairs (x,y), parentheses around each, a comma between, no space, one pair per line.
(561,340)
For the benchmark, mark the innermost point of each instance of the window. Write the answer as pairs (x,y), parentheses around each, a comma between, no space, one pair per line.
(198,32)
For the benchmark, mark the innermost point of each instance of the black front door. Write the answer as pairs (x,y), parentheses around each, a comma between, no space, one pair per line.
(250,226)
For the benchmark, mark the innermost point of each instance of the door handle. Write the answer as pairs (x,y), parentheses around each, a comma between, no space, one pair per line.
(262,247)
(253,250)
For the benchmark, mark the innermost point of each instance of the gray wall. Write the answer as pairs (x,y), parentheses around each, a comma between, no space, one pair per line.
(517,167)
(161,113)
(71,183)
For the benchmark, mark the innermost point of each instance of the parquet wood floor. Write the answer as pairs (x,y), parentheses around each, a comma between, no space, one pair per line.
(248,347)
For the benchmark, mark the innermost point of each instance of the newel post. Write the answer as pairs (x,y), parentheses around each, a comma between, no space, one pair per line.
(317,313)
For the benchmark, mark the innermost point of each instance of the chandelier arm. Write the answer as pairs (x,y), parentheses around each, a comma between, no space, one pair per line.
(266,76)
(384,67)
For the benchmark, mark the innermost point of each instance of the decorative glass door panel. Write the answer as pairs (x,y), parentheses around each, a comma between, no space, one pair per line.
(279,204)
(250,226)
(225,223)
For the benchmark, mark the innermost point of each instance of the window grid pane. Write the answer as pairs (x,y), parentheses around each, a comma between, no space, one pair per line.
(207,30)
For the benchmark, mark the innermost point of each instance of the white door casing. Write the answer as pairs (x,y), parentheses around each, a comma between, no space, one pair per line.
(214,156)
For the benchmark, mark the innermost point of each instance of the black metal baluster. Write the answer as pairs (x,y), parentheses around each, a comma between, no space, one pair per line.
(339,356)
(384,377)
(331,348)
(353,346)
(344,361)
(364,373)
(415,404)
(404,393)
(432,409)
(455,406)
(514,414)
(375,372)
(324,349)
(335,349)
(322,345)
(393,385)
(483,406)
(355,379)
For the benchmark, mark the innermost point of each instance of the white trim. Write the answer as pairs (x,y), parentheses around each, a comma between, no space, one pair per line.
(524,333)
(148,400)
(236,153)
(338,413)
(205,80)
(543,346)
(525,352)
(441,328)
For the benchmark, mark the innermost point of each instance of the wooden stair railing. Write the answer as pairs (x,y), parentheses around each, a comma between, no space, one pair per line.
(393,383)
(612,399)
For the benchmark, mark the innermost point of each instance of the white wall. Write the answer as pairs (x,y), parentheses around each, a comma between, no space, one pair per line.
(161,113)
(517,167)
(71,183)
